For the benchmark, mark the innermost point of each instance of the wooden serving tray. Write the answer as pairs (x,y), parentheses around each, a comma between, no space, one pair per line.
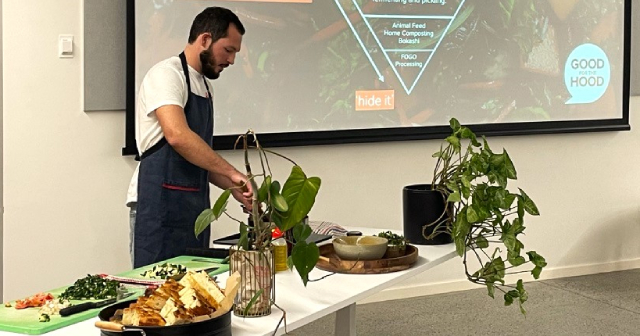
(329,261)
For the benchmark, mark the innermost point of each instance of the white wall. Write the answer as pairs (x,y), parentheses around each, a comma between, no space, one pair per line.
(64,176)
(65,180)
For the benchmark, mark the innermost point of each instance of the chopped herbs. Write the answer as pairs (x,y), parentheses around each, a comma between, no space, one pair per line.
(91,287)
(164,271)
(393,239)
(44,318)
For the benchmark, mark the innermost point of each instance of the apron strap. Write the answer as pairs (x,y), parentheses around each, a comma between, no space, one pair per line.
(152,150)
(163,141)
(185,69)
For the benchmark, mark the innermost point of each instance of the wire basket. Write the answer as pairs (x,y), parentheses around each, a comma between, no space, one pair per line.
(257,273)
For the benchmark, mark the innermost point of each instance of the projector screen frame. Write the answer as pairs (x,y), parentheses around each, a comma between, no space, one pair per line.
(311,138)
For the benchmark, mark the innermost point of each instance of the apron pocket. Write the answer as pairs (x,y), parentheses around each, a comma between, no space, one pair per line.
(183,175)
(181,207)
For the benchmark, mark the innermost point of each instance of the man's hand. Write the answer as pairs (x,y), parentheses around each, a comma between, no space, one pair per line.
(242,191)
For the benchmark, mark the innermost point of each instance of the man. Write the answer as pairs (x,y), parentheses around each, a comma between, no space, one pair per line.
(174,132)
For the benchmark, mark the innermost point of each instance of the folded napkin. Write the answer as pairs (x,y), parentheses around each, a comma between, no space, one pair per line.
(327,228)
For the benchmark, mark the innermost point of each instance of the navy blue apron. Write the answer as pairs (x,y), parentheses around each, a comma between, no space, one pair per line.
(172,192)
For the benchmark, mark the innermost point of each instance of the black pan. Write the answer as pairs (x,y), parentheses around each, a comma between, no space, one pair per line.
(219,326)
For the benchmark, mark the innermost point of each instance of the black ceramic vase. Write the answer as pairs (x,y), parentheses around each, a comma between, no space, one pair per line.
(421,205)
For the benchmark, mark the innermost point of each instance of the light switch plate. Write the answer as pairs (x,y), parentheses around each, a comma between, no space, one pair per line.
(65,46)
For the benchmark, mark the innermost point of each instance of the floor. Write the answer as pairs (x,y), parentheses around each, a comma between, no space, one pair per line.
(600,304)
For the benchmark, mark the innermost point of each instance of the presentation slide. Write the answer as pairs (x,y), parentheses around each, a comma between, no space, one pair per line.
(325,65)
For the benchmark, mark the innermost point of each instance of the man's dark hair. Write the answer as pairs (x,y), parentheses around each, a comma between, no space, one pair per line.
(215,21)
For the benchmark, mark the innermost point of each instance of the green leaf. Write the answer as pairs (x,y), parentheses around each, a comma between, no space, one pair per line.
(461,245)
(202,222)
(454,197)
(305,256)
(452,186)
(454,124)
(517,227)
(221,204)
(491,289)
(497,159)
(507,201)
(536,272)
(460,230)
(275,187)
(528,204)
(253,301)
(482,242)
(524,296)
(300,193)
(243,241)
(502,180)
(472,215)
(467,133)
(465,181)
(516,261)
(520,207)
(486,145)
(508,300)
(301,232)
(279,202)
(209,215)
(536,259)
(454,141)
(290,265)
(509,240)
(509,167)
(509,296)
(263,192)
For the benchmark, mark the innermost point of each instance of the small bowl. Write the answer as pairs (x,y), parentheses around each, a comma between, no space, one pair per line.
(360,247)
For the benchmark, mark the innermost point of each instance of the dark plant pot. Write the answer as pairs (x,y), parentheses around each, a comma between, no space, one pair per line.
(421,205)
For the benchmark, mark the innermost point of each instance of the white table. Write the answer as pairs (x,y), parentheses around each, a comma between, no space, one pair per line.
(337,293)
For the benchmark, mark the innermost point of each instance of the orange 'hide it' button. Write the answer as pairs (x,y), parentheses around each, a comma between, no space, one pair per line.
(372,100)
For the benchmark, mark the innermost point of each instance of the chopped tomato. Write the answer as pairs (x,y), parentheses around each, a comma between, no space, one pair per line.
(37,300)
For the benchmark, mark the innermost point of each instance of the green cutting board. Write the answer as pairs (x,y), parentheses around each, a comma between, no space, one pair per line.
(25,321)
(191,263)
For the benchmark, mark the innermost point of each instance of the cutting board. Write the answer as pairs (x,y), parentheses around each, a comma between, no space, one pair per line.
(25,321)
(191,263)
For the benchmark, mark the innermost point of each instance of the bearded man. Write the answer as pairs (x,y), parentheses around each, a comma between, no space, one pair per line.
(174,134)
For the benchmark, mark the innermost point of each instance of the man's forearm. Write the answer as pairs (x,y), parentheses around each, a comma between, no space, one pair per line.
(220,181)
(195,150)
(189,145)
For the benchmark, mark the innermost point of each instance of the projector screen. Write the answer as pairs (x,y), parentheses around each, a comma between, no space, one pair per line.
(339,71)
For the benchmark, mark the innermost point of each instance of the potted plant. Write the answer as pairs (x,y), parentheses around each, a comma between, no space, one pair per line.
(483,212)
(396,244)
(273,204)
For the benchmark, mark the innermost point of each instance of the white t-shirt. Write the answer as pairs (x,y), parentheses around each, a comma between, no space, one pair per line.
(164,84)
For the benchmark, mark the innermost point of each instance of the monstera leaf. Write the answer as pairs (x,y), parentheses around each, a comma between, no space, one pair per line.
(300,192)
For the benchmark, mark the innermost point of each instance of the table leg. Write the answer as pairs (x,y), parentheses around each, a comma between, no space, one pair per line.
(346,321)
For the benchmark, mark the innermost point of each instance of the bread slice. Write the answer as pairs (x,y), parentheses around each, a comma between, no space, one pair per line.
(150,318)
(196,297)
(205,288)
(139,315)
(174,314)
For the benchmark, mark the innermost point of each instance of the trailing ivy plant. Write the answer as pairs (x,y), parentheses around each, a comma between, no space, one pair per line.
(484,213)
(285,205)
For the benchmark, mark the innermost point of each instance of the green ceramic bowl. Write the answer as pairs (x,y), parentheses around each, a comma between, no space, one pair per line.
(360,247)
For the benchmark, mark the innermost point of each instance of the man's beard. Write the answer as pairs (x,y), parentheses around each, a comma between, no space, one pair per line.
(208,62)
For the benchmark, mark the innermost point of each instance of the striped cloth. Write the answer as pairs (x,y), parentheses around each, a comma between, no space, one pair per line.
(327,228)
